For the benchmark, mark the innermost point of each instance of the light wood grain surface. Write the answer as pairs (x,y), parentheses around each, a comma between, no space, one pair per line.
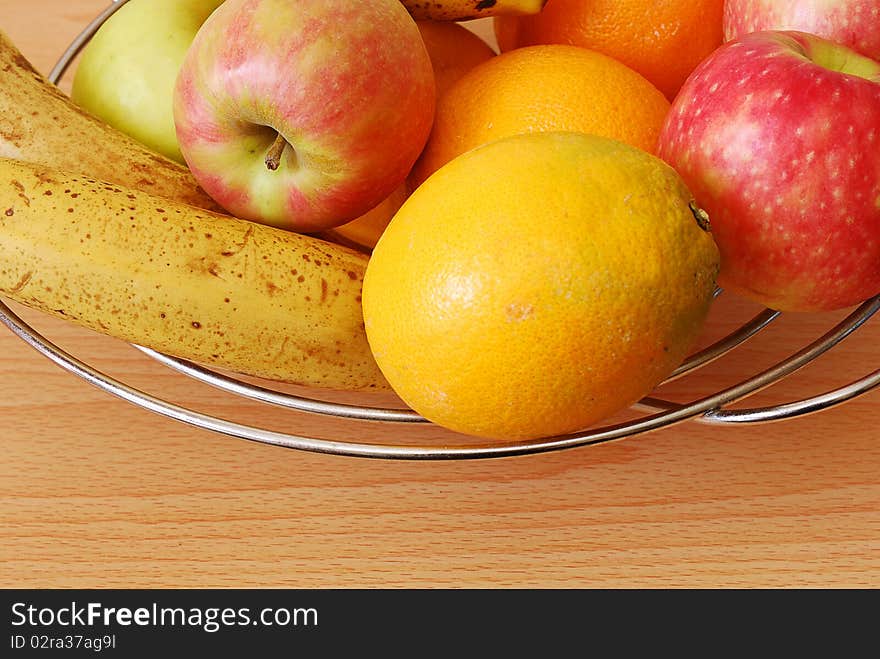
(96,492)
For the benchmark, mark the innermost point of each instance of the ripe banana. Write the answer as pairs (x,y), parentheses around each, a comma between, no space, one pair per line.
(184,281)
(39,123)
(460,10)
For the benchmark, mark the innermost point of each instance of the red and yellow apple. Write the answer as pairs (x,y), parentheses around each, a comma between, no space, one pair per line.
(306,114)
(777,134)
(852,23)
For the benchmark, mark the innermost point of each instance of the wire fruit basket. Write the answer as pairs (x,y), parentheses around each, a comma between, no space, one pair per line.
(652,413)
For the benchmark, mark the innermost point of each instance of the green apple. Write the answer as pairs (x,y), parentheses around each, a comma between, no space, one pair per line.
(128,69)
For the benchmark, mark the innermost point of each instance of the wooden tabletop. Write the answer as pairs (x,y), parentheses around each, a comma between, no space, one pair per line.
(98,492)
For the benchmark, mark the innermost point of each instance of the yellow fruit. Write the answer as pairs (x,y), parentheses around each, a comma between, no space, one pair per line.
(543,88)
(39,124)
(457,10)
(184,281)
(537,285)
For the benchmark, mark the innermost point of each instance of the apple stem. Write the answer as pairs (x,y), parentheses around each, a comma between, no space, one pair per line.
(701,216)
(273,157)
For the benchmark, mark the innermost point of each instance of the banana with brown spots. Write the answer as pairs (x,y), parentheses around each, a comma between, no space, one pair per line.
(460,10)
(39,123)
(184,281)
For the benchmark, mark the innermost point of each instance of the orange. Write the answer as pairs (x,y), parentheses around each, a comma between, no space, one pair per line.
(664,41)
(454,50)
(542,88)
(538,284)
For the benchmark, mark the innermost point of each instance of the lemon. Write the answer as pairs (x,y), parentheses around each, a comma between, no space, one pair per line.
(538,284)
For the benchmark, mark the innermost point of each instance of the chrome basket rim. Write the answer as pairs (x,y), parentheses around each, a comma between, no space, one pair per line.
(658,413)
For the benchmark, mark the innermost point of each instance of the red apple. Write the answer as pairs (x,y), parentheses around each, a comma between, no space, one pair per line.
(777,134)
(305,114)
(853,23)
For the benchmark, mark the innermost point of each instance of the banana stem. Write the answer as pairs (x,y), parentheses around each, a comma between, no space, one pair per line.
(273,157)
